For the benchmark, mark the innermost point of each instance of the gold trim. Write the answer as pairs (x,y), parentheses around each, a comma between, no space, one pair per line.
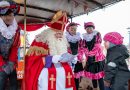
(69,76)
(37,50)
(60,22)
(64,18)
(52,79)
(57,30)
(57,16)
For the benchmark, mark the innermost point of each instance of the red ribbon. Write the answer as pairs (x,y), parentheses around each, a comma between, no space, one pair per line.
(70,83)
(52,78)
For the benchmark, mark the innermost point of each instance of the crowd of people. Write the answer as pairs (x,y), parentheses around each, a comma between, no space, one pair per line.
(58,60)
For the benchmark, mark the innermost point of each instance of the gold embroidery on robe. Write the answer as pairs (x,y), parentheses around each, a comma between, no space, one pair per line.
(37,50)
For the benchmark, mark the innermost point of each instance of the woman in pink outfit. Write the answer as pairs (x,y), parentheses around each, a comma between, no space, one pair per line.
(91,53)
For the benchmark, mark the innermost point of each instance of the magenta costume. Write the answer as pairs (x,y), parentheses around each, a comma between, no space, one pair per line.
(91,48)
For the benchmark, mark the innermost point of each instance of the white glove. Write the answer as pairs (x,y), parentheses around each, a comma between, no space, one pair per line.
(56,58)
(67,57)
(75,60)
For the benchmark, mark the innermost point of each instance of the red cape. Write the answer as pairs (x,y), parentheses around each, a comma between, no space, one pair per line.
(33,66)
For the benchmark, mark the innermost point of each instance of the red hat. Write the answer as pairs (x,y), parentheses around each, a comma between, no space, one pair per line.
(114,37)
(59,21)
(71,24)
(89,24)
(9,5)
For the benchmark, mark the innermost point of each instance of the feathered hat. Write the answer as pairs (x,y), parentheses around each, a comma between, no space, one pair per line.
(71,24)
(9,5)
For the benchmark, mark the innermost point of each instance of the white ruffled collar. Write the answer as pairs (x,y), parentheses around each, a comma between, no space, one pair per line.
(89,37)
(73,38)
(8,32)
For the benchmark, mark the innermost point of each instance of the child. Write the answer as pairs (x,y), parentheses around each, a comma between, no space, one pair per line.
(92,50)
(117,73)
(73,38)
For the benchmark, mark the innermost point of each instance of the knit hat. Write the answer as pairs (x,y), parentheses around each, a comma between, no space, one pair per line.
(89,24)
(113,37)
(5,6)
(71,24)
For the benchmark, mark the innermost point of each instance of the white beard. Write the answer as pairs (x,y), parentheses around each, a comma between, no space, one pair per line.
(56,46)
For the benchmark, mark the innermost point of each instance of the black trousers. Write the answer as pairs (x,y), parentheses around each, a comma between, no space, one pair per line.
(100,82)
(12,78)
(77,83)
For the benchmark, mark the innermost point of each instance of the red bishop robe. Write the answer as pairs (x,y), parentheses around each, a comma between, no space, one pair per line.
(35,62)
